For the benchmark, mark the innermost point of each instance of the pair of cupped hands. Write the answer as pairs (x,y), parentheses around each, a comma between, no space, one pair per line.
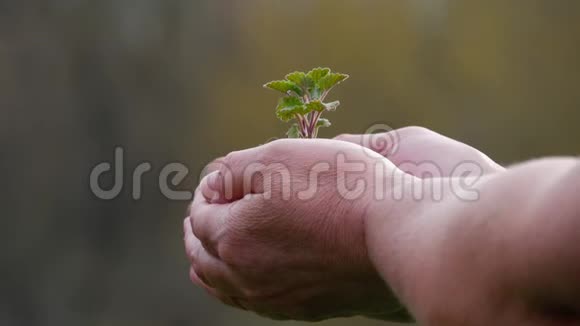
(281,230)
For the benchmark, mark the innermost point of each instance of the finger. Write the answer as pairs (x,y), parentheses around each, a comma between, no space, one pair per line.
(230,301)
(351,138)
(235,176)
(192,245)
(203,226)
(210,270)
(213,166)
(195,279)
(188,237)
(385,143)
(206,269)
(211,188)
(207,221)
(191,242)
(207,170)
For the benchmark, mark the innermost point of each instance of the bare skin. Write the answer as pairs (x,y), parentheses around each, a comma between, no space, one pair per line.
(508,257)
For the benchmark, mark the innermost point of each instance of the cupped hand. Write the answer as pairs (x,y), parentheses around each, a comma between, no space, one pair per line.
(280,230)
(425,153)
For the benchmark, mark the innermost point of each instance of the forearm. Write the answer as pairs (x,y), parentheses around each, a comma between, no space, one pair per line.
(525,217)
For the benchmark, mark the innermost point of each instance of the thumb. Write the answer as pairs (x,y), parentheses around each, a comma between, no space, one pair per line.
(233,177)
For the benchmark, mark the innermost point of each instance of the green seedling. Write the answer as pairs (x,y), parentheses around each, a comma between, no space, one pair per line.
(304,100)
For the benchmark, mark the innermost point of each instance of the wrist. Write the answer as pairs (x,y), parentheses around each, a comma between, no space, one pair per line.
(401,233)
(407,234)
(387,226)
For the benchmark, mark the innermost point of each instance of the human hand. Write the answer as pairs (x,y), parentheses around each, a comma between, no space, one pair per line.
(289,243)
(423,152)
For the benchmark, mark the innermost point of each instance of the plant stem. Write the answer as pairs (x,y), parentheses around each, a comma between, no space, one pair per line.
(304,120)
(303,126)
(312,130)
(312,120)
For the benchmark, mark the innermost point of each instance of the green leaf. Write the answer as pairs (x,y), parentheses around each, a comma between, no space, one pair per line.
(294,131)
(296,77)
(332,105)
(299,78)
(288,107)
(304,96)
(328,81)
(317,73)
(302,80)
(289,101)
(323,123)
(284,86)
(287,114)
(314,92)
(315,106)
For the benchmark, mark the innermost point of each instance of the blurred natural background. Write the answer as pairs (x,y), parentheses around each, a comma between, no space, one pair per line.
(180,80)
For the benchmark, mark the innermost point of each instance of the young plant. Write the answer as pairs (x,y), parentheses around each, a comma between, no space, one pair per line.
(304,100)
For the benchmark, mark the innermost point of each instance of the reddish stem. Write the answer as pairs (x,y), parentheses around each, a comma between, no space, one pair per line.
(313,121)
(303,127)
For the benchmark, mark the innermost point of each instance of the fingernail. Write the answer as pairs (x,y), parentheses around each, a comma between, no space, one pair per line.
(214,186)
(213,180)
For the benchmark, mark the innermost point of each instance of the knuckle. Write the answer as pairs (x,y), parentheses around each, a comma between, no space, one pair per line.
(229,253)
(201,233)
(196,225)
(277,148)
(228,161)
(193,276)
(271,149)
(343,137)
(201,276)
(415,130)
(191,254)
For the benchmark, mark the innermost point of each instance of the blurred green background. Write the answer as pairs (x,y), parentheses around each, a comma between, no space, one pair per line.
(177,80)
